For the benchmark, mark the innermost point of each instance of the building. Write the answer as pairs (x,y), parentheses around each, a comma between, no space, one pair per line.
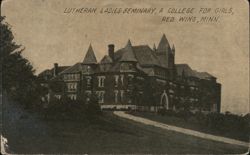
(136,77)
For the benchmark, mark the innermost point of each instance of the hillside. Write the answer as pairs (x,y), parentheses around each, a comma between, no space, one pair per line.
(26,133)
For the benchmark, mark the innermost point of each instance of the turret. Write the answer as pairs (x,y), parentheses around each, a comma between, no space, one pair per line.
(163,46)
(90,56)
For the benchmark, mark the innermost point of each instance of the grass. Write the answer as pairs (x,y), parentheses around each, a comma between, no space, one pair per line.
(191,123)
(108,134)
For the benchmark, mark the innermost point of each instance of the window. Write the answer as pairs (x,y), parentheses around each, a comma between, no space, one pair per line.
(88,81)
(88,69)
(122,95)
(58,97)
(116,96)
(71,87)
(214,108)
(129,95)
(88,93)
(130,66)
(101,81)
(122,78)
(116,80)
(130,79)
(192,88)
(72,96)
(100,95)
(126,67)
(77,76)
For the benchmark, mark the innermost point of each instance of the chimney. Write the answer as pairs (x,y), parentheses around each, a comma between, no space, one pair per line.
(111,48)
(55,69)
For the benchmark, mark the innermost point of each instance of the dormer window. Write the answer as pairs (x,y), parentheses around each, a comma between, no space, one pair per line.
(126,66)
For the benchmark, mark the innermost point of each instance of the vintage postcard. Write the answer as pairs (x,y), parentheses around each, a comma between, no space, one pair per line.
(124,77)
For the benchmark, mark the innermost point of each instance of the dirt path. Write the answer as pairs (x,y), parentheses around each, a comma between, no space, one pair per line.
(181,130)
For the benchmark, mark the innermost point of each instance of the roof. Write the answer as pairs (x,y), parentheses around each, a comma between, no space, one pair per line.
(73,69)
(106,60)
(184,69)
(115,67)
(163,45)
(90,56)
(50,71)
(145,55)
(203,75)
(128,54)
(187,71)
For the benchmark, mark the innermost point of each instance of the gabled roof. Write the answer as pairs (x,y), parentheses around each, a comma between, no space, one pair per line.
(106,60)
(76,68)
(90,56)
(145,55)
(184,68)
(187,71)
(128,54)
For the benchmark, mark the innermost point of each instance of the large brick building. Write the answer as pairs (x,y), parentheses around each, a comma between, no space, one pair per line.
(135,77)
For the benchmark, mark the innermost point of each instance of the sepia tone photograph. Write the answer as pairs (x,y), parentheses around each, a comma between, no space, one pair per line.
(124,77)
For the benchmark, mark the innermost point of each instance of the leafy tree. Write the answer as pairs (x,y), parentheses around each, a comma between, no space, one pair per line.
(18,79)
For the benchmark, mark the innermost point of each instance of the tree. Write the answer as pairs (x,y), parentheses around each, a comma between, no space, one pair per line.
(18,79)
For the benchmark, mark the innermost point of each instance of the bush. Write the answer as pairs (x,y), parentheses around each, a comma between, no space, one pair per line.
(93,108)
(168,112)
(185,114)
(67,109)
(161,111)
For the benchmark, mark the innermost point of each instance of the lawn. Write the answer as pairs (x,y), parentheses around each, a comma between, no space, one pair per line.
(108,134)
(191,123)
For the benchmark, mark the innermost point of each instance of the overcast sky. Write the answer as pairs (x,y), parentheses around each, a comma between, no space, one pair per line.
(49,35)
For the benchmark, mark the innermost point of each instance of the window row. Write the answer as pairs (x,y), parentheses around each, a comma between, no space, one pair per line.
(71,87)
(117,95)
(119,80)
(71,76)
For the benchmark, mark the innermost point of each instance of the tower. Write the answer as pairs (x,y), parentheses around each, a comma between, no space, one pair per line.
(89,62)
(164,53)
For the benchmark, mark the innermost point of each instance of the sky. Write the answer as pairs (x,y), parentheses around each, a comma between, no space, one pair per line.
(221,48)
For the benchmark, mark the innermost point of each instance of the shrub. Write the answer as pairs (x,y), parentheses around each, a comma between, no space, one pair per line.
(93,108)
(185,114)
(161,111)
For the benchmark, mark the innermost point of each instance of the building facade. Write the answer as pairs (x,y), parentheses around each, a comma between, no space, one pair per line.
(135,77)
